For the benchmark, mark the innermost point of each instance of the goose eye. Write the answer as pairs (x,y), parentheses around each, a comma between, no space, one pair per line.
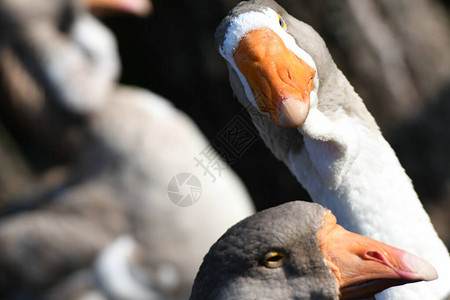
(282,22)
(274,259)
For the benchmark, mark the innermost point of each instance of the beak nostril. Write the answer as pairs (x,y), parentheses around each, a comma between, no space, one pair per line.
(289,73)
(375,255)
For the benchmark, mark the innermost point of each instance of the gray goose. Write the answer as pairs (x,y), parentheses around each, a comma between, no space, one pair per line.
(311,118)
(297,251)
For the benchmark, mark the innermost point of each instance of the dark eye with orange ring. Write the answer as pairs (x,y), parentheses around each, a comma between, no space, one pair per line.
(282,22)
(274,259)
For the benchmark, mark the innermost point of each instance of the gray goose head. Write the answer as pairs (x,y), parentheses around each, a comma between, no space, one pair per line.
(297,251)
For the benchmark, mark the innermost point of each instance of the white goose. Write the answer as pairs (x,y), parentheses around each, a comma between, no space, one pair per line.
(281,70)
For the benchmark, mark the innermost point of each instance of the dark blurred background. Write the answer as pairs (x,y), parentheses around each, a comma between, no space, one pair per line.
(395,53)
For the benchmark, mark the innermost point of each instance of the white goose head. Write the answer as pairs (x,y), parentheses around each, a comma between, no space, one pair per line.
(278,76)
(280,67)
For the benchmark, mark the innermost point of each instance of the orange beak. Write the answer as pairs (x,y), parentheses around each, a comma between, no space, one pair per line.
(280,81)
(137,7)
(364,267)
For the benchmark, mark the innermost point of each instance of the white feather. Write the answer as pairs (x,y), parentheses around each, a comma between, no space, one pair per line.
(373,197)
(113,268)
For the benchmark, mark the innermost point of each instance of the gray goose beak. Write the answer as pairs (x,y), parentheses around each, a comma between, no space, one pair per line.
(364,267)
(137,7)
(280,81)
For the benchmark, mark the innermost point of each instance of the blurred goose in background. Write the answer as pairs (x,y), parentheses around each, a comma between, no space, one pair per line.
(132,148)
(309,115)
(157,144)
(137,7)
(297,251)
(52,54)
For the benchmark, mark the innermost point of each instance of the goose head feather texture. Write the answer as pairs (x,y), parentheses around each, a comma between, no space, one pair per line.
(297,251)
(311,118)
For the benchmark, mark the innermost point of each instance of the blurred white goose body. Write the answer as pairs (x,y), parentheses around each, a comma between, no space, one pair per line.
(135,143)
(280,68)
